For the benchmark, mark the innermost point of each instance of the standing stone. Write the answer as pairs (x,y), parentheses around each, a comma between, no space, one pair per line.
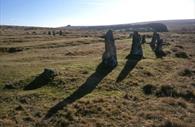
(109,57)
(136,49)
(159,52)
(155,38)
(143,39)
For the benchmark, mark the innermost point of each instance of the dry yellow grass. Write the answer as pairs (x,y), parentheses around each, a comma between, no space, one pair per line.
(75,56)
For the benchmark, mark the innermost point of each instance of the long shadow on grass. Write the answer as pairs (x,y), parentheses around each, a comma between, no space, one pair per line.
(130,64)
(84,89)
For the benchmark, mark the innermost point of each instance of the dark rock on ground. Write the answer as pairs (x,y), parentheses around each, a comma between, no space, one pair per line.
(169,91)
(193,84)
(9,86)
(13,50)
(166,91)
(41,80)
(149,89)
(19,108)
(186,72)
(181,54)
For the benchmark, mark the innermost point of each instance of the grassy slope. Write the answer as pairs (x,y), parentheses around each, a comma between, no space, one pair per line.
(75,56)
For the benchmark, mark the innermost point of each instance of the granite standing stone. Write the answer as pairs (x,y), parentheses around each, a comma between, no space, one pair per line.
(155,38)
(143,39)
(109,57)
(136,49)
(159,51)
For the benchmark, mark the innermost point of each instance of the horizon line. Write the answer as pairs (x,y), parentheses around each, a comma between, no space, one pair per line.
(94,25)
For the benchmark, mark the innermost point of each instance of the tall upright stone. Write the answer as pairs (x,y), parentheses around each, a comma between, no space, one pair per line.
(109,57)
(136,49)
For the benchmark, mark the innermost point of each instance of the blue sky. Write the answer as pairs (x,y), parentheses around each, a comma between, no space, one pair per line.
(55,13)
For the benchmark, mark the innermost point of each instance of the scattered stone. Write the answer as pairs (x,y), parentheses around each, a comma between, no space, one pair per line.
(38,114)
(23,101)
(179,46)
(136,49)
(43,79)
(149,89)
(186,72)
(9,86)
(85,72)
(15,85)
(193,84)
(13,50)
(169,91)
(181,54)
(174,49)
(69,54)
(29,119)
(130,97)
(19,108)
(169,123)
(109,57)
(166,91)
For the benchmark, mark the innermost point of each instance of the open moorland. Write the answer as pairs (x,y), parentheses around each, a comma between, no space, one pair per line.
(152,92)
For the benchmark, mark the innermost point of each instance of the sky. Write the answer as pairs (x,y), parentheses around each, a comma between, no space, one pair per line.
(56,13)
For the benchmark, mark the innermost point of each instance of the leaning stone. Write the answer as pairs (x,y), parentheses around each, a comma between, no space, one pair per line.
(109,57)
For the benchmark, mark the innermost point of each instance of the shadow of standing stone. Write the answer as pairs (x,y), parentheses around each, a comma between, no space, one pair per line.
(90,84)
(43,79)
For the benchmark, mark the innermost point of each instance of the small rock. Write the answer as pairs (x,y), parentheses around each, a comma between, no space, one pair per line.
(166,91)
(19,108)
(193,84)
(179,46)
(28,119)
(9,86)
(38,114)
(13,50)
(43,79)
(23,101)
(181,54)
(186,72)
(149,89)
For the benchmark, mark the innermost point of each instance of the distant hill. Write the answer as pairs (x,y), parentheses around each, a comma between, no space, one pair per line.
(178,25)
(160,26)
